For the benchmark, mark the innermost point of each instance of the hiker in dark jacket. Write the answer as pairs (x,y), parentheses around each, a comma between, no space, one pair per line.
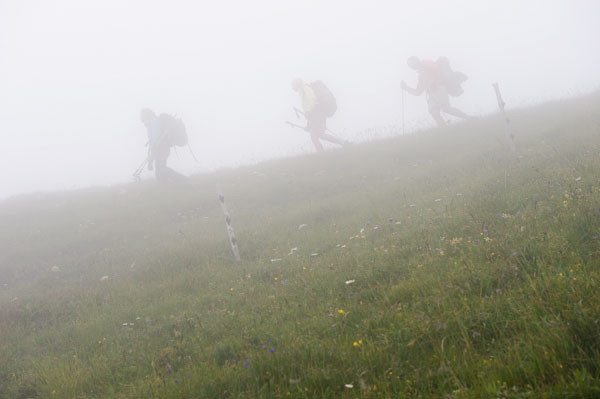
(162,135)
(432,81)
(318,105)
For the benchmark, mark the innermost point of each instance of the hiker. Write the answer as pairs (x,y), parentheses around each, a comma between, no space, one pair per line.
(318,104)
(438,81)
(164,131)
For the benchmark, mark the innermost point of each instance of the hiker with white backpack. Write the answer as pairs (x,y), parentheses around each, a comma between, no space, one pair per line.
(438,81)
(164,131)
(318,104)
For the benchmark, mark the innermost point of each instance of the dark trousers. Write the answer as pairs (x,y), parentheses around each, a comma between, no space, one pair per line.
(163,173)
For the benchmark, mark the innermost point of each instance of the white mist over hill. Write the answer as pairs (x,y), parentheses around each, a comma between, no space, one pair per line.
(74,75)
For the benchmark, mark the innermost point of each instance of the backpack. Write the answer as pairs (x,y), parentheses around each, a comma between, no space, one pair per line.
(325,99)
(452,80)
(173,129)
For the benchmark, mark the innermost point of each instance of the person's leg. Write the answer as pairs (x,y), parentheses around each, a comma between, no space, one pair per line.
(316,126)
(455,111)
(315,139)
(332,139)
(164,174)
(437,116)
(161,153)
(173,175)
(434,108)
(437,100)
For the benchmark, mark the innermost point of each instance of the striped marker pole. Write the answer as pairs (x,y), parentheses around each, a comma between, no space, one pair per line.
(230,232)
(507,132)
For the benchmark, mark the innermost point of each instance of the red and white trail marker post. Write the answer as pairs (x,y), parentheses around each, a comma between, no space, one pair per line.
(230,232)
(509,136)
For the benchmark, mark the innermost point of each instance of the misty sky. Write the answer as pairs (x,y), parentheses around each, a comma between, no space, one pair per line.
(75,73)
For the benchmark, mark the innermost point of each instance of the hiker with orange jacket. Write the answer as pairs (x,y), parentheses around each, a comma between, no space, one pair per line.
(437,80)
(318,104)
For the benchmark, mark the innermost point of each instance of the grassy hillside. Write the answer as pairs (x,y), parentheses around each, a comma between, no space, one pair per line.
(430,266)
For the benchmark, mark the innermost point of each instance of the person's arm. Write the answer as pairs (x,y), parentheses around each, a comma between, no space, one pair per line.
(416,91)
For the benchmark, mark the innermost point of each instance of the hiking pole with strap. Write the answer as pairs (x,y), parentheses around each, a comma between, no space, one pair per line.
(300,112)
(137,175)
(292,124)
(138,172)
(192,152)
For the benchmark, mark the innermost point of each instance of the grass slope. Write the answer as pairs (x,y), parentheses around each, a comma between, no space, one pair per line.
(474,275)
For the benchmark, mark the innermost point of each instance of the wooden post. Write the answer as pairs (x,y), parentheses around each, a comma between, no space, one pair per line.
(509,136)
(230,232)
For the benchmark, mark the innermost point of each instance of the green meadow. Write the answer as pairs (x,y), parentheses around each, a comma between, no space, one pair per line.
(430,265)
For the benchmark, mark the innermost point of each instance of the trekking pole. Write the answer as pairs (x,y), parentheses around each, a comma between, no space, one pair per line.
(509,136)
(292,124)
(299,112)
(138,172)
(230,232)
(192,152)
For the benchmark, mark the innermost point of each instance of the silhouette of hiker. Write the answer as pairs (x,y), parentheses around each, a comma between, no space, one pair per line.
(318,104)
(164,131)
(436,79)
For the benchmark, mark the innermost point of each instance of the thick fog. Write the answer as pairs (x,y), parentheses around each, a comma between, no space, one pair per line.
(74,74)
